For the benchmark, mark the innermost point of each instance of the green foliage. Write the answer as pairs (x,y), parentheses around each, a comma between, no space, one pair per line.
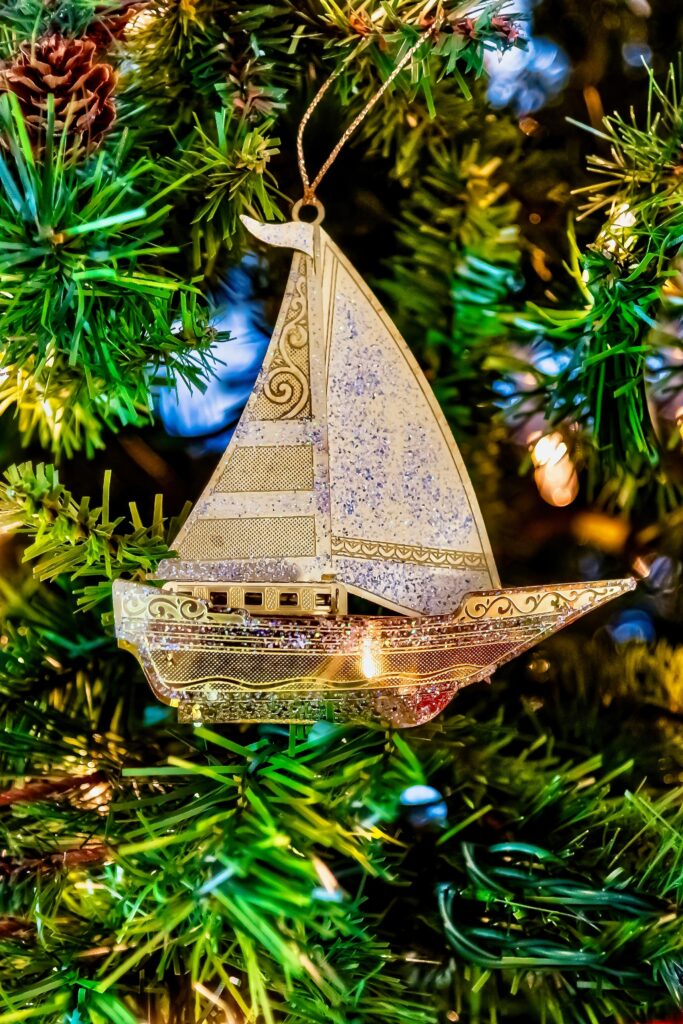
(29,19)
(71,539)
(274,869)
(188,59)
(462,33)
(262,870)
(152,872)
(457,269)
(87,322)
(237,51)
(98,268)
(619,281)
(524,891)
(227,175)
(429,101)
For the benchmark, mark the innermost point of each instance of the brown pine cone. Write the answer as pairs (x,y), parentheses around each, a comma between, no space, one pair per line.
(505,28)
(111,22)
(82,90)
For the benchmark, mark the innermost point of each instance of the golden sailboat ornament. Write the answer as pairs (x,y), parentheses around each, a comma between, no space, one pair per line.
(342,478)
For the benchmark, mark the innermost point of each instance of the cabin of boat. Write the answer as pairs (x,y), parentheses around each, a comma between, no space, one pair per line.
(316,599)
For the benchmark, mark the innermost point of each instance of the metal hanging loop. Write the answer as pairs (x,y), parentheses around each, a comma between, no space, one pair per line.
(304,203)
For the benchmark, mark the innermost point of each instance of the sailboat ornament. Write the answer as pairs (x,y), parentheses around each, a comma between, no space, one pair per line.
(341,478)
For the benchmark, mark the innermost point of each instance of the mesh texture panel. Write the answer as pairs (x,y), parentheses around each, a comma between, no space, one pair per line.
(267,537)
(284,467)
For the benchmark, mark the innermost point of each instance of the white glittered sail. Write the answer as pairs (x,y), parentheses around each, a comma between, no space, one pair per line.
(406,525)
(342,461)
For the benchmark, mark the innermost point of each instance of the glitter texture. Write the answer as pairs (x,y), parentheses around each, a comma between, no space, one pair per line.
(395,472)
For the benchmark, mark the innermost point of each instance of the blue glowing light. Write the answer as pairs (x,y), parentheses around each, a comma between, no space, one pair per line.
(632,625)
(418,796)
(527,77)
(637,54)
(327,895)
(210,416)
(425,805)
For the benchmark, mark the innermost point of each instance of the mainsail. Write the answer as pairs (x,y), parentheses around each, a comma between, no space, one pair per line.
(342,463)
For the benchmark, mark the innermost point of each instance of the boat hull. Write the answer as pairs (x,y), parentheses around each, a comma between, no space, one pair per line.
(219,667)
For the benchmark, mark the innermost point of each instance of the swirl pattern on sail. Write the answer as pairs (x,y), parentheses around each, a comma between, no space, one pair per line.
(286,391)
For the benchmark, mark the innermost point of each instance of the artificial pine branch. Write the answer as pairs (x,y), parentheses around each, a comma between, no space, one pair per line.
(255,811)
(457,269)
(227,173)
(71,539)
(457,37)
(284,872)
(21,20)
(88,321)
(98,306)
(277,858)
(620,281)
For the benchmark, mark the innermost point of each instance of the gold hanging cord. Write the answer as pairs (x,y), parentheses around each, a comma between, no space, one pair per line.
(310,187)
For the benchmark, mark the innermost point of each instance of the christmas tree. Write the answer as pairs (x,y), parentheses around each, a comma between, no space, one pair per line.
(513,193)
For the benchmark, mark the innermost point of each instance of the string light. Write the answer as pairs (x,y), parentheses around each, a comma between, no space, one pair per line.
(617,237)
(371,662)
(141,20)
(678,416)
(554,472)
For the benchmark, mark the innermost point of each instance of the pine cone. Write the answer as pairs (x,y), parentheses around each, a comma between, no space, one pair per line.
(111,22)
(82,90)
(505,28)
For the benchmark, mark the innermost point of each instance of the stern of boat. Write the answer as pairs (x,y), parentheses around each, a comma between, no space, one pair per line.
(149,620)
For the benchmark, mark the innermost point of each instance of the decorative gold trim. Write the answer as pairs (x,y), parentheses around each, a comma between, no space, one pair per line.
(149,604)
(286,391)
(313,600)
(567,599)
(220,661)
(386,551)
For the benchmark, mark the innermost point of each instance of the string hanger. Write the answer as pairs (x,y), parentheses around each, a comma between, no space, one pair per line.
(310,187)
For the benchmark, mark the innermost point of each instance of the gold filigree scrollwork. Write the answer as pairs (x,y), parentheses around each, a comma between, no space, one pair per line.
(162,607)
(386,551)
(194,656)
(286,390)
(518,603)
